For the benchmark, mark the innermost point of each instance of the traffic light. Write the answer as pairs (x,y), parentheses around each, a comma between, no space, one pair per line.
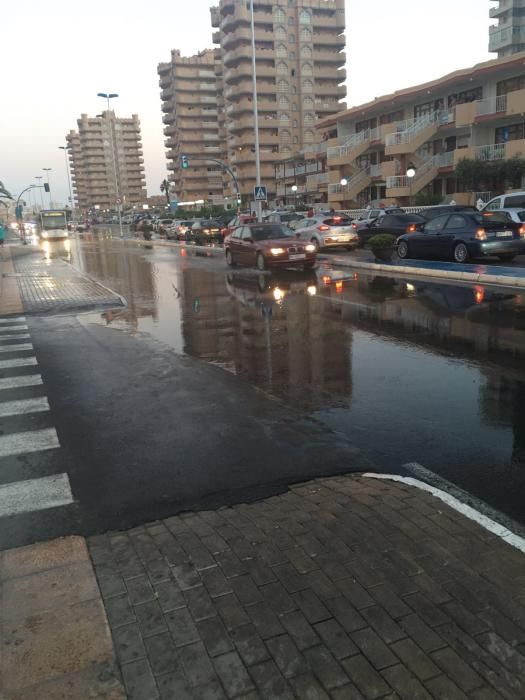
(184,162)
(46,187)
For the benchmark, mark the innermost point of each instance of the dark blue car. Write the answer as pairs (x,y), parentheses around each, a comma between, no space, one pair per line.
(461,236)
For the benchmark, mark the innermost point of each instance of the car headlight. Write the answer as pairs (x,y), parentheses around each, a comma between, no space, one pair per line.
(278,294)
(277,251)
(312,290)
(310,248)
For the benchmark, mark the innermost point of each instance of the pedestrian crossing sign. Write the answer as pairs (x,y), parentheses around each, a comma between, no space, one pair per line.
(259,193)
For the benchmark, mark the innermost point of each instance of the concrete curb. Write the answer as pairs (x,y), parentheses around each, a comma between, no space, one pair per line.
(454,275)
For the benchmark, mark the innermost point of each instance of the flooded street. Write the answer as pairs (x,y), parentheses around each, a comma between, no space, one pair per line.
(405,371)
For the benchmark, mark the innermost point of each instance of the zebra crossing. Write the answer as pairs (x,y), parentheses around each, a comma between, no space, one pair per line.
(23,435)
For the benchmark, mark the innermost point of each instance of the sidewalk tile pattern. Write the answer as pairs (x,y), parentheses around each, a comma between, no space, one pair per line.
(55,286)
(339,588)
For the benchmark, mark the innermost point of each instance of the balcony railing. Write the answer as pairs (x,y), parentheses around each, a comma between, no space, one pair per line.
(495,151)
(361,176)
(440,160)
(491,105)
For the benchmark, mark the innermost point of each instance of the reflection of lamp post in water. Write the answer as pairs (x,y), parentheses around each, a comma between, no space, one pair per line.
(411,172)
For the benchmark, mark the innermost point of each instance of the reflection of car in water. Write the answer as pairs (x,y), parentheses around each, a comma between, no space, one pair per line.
(450,298)
(56,250)
(260,290)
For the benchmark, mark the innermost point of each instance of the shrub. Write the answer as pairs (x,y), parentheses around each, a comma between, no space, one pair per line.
(381,240)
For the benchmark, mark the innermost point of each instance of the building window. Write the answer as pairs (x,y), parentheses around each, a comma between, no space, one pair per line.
(294,107)
(460,98)
(279,14)
(291,39)
(284,101)
(512,132)
(423,109)
(281,51)
(306,52)
(306,69)
(309,136)
(306,35)
(308,86)
(282,68)
(290,21)
(295,124)
(280,32)
(305,17)
(503,87)
(294,90)
(396,116)
(308,103)
(291,56)
(284,117)
(309,118)
(285,135)
(295,139)
(282,86)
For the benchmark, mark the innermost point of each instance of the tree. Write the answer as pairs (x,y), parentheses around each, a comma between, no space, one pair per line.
(165,187)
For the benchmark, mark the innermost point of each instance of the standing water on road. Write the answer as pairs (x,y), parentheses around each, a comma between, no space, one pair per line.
(407,371)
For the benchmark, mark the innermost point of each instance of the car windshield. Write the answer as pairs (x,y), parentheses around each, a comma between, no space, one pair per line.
(264,233)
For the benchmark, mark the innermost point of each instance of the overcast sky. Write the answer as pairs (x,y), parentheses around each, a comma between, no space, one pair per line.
(56,55)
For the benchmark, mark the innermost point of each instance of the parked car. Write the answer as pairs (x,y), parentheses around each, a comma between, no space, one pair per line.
(205,231)
(396,224)
(464,235)
(329,231)
(517,215)
(268,246)
(289,218)
(431,212)
(506,201)
(373,214)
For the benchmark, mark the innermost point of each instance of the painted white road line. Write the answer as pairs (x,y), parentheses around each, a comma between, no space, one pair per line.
(23,380)
(35,494)
(14,336)
(18,362)
(13,319)
(471,513)
(16,347)
(9,329)
(22,406)
(30,441)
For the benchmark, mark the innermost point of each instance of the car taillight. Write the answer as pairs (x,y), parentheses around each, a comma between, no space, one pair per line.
(521,231)
(412,228)
(481,234)
(323,227)
(337,218)
(339,286)
(354,226)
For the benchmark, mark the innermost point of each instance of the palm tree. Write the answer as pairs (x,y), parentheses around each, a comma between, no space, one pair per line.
(165,187)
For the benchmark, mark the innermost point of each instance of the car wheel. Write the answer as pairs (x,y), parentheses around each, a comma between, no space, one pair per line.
(460,253)
(229,258)
(506,257)
(260,262)
(315,242)
(402,250)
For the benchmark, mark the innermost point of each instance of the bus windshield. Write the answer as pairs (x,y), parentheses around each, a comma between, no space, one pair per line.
(53,219)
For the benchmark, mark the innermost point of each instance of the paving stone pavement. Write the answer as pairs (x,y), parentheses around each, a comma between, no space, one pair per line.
(342,588)
(55,286)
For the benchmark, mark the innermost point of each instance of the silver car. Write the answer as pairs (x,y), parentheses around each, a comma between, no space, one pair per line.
(511,214)
(328,231)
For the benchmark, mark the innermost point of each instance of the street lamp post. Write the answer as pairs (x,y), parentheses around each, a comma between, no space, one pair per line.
(66,149)
(108,96)
(258,204)
(47,171)
(40,177)
(411,172)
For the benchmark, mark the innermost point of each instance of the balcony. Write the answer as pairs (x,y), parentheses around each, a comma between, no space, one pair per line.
(166,94)
(326,38)
(324,56)
(503,6)
(500,38)
(335,91)
(491,105)
(403,186)
(490,152)
(356,184)
(230,40)
(418,132)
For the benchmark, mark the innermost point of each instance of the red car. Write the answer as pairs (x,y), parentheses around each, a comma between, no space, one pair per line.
(268,246)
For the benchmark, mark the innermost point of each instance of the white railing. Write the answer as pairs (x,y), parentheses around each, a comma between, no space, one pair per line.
(355,140)
(395,181)
(491,105)
(440,160)
(442,116)
(484,196)
(359,178)
(495,151)
(444,160)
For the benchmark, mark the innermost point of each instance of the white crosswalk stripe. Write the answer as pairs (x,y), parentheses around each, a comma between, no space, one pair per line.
(26,496)
(18,362)
(21,381)
(35,494)
(9,329)
(17,347)
(23,406)
(14,336)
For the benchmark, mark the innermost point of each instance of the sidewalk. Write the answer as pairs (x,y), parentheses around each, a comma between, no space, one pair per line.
(10,300)
(342,588)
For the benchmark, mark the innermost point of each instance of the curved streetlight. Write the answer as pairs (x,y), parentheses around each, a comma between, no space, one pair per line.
(109,96)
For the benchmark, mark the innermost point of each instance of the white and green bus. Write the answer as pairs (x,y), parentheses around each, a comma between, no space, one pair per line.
(53,224)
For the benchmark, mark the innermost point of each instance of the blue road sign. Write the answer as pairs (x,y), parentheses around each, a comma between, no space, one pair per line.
(259,194)
(174,204)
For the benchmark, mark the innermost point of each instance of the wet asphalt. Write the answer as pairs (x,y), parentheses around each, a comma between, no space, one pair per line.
(216,386)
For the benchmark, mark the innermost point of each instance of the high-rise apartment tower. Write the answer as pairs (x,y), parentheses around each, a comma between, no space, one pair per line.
(508,35)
